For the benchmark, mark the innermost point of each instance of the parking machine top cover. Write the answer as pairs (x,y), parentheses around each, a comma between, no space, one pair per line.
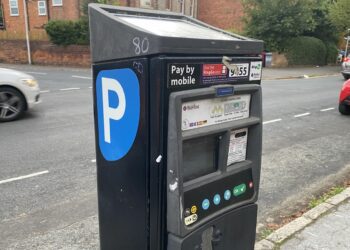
(121,32)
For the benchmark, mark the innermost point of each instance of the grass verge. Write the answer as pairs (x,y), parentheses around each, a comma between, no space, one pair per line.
(315,201)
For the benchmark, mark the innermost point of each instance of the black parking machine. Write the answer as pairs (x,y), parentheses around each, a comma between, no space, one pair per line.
(178,124)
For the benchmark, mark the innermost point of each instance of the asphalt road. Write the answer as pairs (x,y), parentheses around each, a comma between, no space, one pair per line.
(305,149)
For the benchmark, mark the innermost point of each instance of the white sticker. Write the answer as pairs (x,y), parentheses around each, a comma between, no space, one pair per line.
(202,113)
(238,146)
(242,70)
(191,219)
(255,71)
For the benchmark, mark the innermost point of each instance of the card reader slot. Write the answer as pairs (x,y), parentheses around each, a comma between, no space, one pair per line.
(243,123)
(233,169)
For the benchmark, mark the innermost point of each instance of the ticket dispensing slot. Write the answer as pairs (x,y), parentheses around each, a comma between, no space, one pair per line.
(211,170)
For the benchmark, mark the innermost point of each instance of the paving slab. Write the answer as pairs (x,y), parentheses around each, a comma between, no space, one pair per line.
(329,232)
(286,231)
(78,236)
(264,245)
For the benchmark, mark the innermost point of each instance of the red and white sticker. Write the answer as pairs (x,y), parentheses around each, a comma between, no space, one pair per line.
(214,70)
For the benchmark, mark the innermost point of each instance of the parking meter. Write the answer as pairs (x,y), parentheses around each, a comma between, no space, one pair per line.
(178,125)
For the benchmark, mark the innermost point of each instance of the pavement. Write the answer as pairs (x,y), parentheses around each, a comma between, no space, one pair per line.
(325,227)
(300,72)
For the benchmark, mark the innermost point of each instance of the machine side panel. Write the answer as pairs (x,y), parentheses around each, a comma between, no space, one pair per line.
(122,181)
(157,180)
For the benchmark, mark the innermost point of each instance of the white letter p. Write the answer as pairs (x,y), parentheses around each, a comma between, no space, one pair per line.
(108,112)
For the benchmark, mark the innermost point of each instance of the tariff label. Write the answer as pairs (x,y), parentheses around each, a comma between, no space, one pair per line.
(238,146)
(241,70)
(201,113)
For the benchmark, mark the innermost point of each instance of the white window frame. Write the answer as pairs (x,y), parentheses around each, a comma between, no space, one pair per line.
(146,4)
(57,4)
(42,8)
(13,7)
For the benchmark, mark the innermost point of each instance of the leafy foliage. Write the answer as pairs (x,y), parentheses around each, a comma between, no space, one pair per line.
(306,51)
(332,53)
(339,13)
(276,21)
(324,28)
(63,32)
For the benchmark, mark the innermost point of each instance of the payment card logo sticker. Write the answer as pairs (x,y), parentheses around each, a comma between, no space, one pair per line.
(118,111)
(255,71)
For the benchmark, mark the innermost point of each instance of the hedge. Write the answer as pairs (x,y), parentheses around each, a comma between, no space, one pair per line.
(332,53)
(63,32)
(306,50)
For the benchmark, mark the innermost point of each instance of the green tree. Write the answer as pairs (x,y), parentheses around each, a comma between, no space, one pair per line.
(339,13)
(324,28)
(277,21)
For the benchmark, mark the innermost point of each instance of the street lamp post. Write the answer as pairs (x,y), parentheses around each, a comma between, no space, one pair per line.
(27,31)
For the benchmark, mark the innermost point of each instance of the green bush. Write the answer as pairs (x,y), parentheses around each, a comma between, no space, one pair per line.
(62,32)
(332,53)
(82,29)
(306,50)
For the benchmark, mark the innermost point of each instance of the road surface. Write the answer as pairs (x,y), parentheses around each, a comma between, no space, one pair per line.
(47,168)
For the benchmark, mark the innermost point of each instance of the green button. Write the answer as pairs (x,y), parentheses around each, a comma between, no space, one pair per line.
(240,189)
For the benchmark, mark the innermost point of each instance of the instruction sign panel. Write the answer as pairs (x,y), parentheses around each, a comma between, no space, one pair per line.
(238,146)
(183,75)
(219,73)
(201,113)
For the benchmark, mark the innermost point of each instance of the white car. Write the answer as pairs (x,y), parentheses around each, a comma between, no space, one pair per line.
(18,93)
(346,67)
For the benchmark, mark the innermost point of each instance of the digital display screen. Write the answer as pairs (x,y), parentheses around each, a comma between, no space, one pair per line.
(200,156)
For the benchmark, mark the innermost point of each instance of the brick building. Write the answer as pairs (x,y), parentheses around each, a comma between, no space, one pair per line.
(39,13)
(225,14)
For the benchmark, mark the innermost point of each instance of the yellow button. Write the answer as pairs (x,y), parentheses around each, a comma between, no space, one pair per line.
(193,209)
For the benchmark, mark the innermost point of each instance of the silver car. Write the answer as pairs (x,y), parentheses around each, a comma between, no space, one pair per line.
(346,67)
(18,93)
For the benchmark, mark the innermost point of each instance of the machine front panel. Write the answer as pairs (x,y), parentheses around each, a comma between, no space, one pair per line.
(213,197)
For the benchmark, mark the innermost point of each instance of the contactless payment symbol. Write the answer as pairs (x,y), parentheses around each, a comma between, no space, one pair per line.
(118,111)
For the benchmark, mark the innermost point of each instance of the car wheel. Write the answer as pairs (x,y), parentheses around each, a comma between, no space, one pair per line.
(346,77)
(12,104)
(344,109)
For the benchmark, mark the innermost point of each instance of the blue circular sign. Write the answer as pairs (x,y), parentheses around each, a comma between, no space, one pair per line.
(118,111)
